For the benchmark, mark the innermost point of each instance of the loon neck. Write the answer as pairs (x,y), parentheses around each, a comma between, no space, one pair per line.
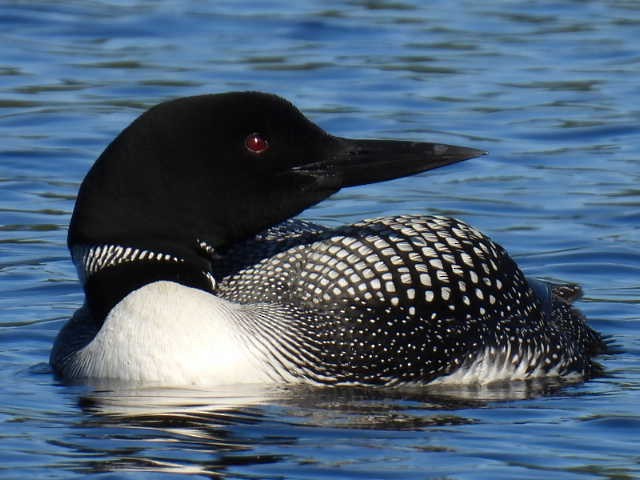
(110,272)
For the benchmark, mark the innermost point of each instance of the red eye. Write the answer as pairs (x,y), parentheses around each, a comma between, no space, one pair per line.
(256,143)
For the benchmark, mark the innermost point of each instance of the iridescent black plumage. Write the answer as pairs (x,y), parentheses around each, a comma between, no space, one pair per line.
(401,299)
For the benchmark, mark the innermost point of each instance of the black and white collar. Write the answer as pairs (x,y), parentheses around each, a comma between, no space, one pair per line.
(91,259)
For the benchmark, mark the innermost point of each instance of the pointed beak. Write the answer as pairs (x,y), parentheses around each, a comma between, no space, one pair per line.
(359,162)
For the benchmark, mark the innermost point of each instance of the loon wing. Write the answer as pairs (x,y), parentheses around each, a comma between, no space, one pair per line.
(544,293)
(426,262)
(405,298)
(548,293)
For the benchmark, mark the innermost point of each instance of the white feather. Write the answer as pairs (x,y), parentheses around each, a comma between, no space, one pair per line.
(169,334)
(491,366)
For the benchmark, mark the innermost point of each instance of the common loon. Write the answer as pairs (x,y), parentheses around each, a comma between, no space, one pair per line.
(195,272)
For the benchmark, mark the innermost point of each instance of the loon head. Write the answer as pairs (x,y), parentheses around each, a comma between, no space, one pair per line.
(215,169)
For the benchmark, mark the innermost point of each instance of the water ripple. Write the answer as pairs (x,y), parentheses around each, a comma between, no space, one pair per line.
(549,88)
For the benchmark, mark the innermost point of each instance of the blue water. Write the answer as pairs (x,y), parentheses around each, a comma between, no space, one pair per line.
(550,89)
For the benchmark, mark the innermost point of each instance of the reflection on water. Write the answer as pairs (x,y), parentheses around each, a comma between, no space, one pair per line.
(122,400)
(216,423)
(128,428)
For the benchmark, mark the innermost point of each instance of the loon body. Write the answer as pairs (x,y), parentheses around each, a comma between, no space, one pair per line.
(195,273)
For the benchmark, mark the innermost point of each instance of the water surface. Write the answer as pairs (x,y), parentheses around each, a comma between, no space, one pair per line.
(549,88)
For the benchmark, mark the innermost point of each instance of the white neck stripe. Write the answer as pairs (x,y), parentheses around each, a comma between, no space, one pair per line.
(90,260)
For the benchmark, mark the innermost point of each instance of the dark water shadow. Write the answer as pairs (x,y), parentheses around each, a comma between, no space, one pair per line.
(131,428)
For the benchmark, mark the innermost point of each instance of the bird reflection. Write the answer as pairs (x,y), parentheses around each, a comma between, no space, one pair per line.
(212,432)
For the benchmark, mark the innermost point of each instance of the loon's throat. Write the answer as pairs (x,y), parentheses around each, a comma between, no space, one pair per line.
(92,259)
(109,272)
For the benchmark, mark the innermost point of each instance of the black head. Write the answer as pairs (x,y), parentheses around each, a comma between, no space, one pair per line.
(210,171)
(220,168)
(213,167)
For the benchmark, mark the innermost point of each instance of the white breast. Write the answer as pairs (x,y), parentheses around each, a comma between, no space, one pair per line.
(169,334)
